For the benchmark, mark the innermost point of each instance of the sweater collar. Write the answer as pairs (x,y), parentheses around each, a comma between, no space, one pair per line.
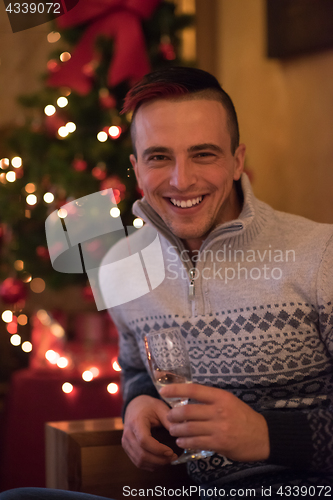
(250,220)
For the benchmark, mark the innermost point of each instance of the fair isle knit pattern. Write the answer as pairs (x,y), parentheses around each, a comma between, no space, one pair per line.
(260,326)
(321,428)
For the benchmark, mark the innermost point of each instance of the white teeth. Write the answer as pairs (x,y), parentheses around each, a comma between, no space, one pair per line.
(187,203)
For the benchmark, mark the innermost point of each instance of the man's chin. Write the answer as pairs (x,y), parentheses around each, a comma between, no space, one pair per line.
(186,234)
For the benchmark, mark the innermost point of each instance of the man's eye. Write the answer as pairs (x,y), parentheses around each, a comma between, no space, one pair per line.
(157,158)
(204,155)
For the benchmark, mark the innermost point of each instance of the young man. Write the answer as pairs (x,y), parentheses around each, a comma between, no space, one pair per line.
(259,324)
(248,286)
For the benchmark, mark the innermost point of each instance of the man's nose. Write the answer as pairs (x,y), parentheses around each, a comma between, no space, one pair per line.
(182,175)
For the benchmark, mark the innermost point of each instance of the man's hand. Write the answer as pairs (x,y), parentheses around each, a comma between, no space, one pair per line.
(220,422)
(143,413)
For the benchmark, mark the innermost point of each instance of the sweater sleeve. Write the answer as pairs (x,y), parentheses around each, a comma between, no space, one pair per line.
(301,440)
(135,378)
(305,439)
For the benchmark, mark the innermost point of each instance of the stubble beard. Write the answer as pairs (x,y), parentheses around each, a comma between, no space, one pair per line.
(190,233)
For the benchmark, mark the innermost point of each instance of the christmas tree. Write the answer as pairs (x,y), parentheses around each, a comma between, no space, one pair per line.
(75,141)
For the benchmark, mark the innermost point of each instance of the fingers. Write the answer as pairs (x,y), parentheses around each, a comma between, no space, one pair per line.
(191,412)
(141,415)
(142,436)
(194,435)
(190,437)
(202,394)
(145,452)
(196,443)
(164,417)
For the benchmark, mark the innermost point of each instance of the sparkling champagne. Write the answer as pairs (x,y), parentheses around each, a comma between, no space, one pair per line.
(177,376)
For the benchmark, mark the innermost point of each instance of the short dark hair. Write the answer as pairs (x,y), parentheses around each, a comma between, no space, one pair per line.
(181,82)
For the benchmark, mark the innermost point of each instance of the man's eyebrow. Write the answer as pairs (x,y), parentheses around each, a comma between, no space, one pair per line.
(156,149)
(192,149)
(206,145)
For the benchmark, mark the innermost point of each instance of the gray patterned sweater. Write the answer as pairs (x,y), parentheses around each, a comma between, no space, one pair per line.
(259,326)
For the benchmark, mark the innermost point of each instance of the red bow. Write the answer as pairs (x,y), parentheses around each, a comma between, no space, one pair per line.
(117,19)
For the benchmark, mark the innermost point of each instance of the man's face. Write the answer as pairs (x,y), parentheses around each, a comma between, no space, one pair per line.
(185,166)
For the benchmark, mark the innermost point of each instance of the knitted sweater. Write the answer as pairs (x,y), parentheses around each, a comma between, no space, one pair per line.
(259,325)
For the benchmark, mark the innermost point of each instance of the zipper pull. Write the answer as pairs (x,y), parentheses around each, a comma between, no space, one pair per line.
(191,288)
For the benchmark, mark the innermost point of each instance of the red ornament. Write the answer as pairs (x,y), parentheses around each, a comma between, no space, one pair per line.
(167,50)
(52,65)
(107,101)
(98,173)
(79,164)
(89,69)
(42,252)
(53,123)
(19,172)
(12,291)
(115,183)
(88,294)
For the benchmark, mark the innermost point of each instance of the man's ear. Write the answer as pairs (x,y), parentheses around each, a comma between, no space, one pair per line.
(134,162)
(239,158)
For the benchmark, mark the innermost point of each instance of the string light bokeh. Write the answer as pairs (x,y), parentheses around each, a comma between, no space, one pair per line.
(58,359)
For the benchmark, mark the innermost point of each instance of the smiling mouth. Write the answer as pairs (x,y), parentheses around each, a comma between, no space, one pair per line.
(191,202)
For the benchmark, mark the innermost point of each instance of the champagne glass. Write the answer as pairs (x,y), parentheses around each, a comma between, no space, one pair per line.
(169,363)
